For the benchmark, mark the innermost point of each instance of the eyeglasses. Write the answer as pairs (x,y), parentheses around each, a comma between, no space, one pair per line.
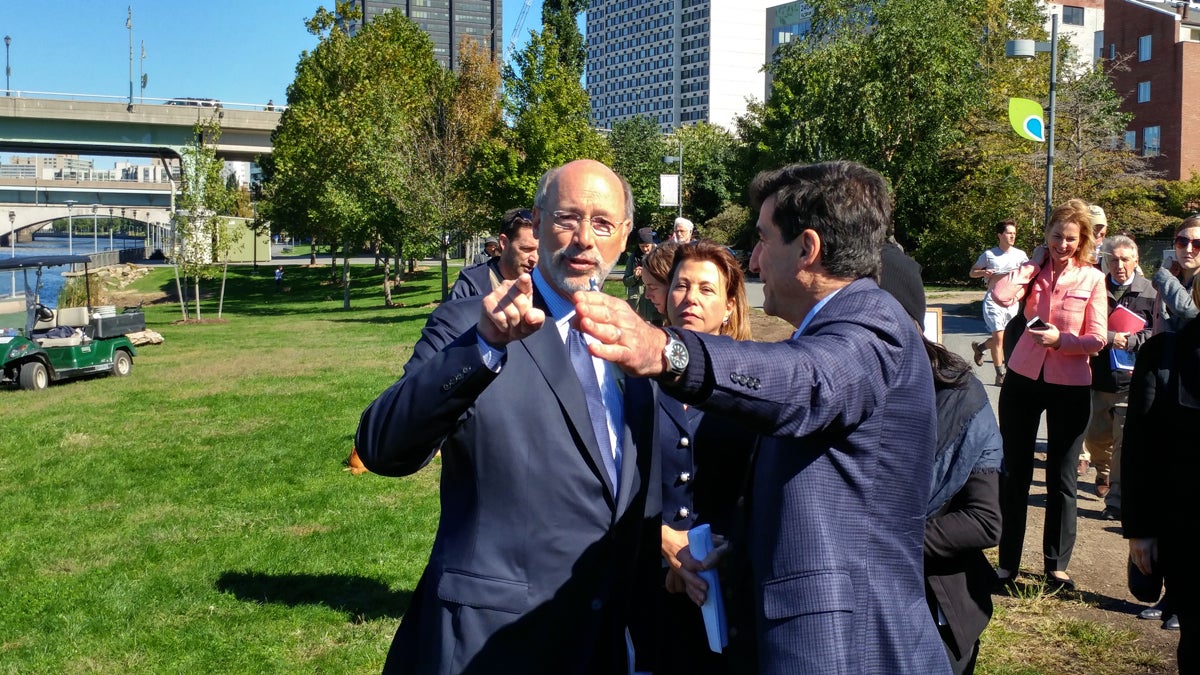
(1182,242)
(569,221)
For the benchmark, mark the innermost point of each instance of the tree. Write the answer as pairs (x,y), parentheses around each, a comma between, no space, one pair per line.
(425,173)
(885,83)
(709,183)
(548,112)
(559,18)
(205,236)
(351,98)
(638,149)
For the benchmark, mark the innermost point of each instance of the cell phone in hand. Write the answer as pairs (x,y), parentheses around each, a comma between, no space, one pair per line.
(1036,323)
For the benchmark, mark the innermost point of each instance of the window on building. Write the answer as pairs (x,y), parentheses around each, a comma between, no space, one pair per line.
(1072,16)
(1144,48)
(1151,137)
(1131,140)
(1143,92)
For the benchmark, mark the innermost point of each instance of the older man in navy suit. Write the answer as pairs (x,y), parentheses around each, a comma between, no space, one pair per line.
(845,410)
(546,468)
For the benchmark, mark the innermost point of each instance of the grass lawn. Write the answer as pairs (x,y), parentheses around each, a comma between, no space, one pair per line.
(196,516)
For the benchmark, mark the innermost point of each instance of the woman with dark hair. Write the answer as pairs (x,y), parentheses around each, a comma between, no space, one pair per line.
(656,272)
(704,462)
(1049,372)
(1175,281)
(963,517)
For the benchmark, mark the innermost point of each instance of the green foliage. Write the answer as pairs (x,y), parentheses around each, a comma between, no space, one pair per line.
(709,181)
(638,149)
(733,227)
(559,18)
(548,114)
(352,97)
(74,293)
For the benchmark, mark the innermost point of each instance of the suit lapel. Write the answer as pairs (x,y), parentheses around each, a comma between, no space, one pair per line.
(546,349)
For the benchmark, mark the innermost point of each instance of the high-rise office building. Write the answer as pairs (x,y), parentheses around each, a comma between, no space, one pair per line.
(674,61)
(447,21)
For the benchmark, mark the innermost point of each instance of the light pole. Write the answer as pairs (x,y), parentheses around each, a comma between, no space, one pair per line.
(679,183)
(1025,49)
(12,246)
(129,25)
(70,230)
(7,68)
(110,228)
(95,229)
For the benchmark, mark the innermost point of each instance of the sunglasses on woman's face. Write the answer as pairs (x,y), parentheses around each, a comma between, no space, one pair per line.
(1182,242)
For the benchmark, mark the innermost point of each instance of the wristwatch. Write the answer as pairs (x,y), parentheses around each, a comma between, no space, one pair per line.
(675,355)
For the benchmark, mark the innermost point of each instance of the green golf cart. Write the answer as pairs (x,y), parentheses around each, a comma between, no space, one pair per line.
(40,345)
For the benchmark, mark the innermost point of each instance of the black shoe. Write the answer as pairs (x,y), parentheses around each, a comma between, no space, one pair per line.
(1111,513)
(1172,622)
(1055,584)
(1151,613)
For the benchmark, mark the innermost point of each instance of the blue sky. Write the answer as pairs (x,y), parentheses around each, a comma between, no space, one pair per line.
(239,51)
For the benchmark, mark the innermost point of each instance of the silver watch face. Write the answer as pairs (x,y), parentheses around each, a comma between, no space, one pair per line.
(677,356)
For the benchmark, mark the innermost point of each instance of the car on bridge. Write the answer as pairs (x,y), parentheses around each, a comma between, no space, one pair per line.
(202,102)
(40,345)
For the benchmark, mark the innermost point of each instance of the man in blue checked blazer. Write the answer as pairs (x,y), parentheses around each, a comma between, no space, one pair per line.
(845,409)
(547,483)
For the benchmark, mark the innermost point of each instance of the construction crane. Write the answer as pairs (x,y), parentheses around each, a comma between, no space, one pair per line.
(512,39)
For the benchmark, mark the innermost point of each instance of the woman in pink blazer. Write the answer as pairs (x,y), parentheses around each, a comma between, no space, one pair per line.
(1049,372)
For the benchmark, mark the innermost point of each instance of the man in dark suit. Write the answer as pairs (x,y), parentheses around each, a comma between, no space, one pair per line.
(517,256)
(547,484)
(846,413)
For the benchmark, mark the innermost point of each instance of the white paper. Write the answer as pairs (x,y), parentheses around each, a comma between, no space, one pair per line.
(713,609)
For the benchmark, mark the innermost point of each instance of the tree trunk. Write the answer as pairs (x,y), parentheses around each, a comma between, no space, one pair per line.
(179,292)
(196,293)
(221,298)
(387,281)
(346,275)
(445,267)
(312,253)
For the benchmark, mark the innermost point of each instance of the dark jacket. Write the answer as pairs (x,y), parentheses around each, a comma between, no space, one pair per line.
(477,279)
(533,559)
(1139,299)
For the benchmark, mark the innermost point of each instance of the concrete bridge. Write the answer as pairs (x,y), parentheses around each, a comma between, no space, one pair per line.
(50,125)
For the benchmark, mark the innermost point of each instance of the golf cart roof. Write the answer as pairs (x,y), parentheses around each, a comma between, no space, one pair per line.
(27,261)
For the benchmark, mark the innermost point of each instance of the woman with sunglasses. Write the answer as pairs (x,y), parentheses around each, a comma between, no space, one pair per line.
(1049,372)
(1178,293)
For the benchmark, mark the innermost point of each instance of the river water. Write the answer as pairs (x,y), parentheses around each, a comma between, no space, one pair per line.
(12,283)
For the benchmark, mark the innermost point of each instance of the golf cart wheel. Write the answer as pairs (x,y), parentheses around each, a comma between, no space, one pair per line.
(122,363)
(34,376)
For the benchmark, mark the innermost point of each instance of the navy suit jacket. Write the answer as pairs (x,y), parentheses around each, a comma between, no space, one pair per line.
(840,483)
(476,279)
(531,565)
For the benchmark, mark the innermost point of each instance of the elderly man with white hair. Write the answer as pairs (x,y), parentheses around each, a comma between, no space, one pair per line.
(683,230)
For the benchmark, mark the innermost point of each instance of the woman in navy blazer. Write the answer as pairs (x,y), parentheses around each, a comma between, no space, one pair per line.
(704,462)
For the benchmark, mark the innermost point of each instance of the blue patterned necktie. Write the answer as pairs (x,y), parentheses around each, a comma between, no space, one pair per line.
(581,359)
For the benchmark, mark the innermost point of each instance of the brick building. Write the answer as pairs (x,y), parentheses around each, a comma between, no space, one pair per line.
(1163,41)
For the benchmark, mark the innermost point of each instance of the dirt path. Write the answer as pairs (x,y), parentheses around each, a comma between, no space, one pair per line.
(1099,559)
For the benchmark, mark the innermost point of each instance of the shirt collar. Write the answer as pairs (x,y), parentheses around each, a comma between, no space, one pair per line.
(813,312)
(559,308)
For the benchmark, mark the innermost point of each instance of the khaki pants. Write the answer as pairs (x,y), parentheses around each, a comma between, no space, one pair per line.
(1102,440)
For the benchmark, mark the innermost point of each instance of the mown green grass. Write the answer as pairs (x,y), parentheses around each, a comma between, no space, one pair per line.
(196,516)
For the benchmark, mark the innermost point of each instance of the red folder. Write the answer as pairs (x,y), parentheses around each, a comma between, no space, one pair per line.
(1121,320)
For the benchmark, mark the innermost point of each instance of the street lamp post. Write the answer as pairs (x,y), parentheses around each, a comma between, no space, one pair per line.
(12,246)
(7,68)
(70,229)
(1025,49)
(95,231)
